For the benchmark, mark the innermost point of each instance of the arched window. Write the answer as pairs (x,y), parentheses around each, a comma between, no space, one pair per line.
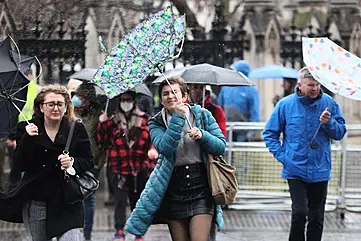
(5,27)
(116,31)
(272,44)
(355,40)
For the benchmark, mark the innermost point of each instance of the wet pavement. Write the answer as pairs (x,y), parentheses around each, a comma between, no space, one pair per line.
(240,225)
(229,236)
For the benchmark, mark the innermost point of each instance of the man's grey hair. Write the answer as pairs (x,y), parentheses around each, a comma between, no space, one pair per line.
(303,74)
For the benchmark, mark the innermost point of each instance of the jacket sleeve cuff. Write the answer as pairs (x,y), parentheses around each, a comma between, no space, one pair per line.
(331,124)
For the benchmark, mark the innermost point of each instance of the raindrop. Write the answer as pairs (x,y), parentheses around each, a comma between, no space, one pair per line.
(347,54)
(322,41)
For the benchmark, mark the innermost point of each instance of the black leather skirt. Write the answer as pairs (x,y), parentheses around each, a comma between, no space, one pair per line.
(188,193)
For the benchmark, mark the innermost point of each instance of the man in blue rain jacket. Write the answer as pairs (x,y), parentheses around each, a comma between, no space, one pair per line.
(306,165)
(240,103)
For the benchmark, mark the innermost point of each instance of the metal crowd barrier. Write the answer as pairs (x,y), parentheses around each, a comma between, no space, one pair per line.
(262,188)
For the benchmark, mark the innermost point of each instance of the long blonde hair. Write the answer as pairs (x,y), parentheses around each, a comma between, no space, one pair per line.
(56,89)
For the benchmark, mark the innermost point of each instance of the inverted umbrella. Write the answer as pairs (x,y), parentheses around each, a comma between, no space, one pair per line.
(87,74)
(13,89)
(141,52)
(334,67)
(273,72)
(207,74)
(24,62)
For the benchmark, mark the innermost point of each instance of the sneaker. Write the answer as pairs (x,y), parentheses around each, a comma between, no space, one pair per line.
(119,236)
(139,238)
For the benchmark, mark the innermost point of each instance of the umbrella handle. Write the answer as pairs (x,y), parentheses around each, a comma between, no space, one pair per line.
(317,130)
(314,137)
(106,106)
(166,79)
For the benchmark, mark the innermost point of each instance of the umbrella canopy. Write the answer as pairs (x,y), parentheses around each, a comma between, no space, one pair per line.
(144,90)
(85,74)
(140,52)
(273,72)
(334,67)
(207,74)
(24,62)
(13,89)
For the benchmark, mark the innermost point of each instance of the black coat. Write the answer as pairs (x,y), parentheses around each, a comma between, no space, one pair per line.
(37,156)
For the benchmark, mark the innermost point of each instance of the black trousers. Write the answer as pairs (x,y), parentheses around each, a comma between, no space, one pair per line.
(127,191)
(308,204)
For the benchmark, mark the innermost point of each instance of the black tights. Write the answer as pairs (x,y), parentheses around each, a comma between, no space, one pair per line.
(196,228)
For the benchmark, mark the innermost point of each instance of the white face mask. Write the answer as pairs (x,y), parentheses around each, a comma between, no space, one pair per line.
(126,106)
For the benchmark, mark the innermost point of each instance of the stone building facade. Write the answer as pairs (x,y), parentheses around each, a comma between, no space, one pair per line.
(266,25)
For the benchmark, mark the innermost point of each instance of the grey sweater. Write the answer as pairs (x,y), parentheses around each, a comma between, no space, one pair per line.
(188,151)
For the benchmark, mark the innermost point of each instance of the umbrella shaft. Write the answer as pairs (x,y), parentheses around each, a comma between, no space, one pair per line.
(166,79)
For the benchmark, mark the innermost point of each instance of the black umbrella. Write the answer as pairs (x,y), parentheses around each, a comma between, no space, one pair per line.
(24,62)
(207,74)
(13,89)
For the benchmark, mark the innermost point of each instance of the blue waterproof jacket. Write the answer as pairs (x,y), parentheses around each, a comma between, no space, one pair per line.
(297,118)
(240,100)
(165,140)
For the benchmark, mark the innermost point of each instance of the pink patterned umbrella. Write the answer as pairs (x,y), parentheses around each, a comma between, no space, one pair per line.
(334,67)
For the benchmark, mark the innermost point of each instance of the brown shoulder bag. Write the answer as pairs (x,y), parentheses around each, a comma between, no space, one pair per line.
(221,177)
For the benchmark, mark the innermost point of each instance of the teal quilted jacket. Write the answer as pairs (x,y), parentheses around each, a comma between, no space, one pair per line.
(166,141)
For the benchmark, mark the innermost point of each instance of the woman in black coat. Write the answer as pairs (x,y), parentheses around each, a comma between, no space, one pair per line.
(39,199)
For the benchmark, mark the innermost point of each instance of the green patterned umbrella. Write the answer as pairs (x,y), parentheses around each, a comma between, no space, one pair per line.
(148,46)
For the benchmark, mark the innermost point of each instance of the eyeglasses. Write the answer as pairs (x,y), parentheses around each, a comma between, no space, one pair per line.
(51,105)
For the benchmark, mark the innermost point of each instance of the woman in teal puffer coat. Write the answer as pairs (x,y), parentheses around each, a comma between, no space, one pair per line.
(178,192)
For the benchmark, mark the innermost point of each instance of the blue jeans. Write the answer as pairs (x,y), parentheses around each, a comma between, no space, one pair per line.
(308,204)
(89,209)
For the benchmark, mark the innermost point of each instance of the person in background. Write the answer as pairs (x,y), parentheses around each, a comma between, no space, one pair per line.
(288,86)
(39,199)
(240,103)
(211,94)
(88,107)
(306,165)
(125,139)
(145,103)
(196,97)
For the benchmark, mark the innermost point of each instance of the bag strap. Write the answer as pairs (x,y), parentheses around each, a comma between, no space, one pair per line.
(202,121)
(70,136)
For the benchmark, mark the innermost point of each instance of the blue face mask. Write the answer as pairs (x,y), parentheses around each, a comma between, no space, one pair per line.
(76,101)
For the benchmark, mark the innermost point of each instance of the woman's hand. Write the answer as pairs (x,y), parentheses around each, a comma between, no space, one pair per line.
(195,134)
(181,108)
(153,154)
(65,160)
(32,129)
(103,117)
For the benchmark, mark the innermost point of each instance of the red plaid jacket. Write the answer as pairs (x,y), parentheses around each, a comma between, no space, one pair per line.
(114,141)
